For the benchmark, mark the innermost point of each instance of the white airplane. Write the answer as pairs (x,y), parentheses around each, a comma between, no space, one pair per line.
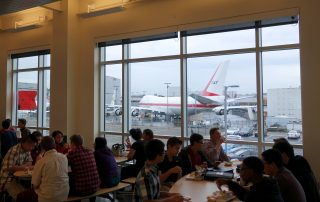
(211,97)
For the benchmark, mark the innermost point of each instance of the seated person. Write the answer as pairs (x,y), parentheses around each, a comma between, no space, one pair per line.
(61,146)
(84,179)
(50,181)
(299,167)
(23,129)
(8,137)
(147,135)
(18,158)
(147,187)
(291,190)
(263,189)
(36,152)
(213,149)
(192,156)
(136,153)
(170,171)
(106,164)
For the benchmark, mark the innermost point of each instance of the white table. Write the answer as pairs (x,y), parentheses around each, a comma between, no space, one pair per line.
(198,191)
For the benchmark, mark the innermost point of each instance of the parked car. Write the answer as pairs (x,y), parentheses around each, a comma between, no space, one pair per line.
(245,132)
(234,137)
(277,128)
(293,134)
(243,153)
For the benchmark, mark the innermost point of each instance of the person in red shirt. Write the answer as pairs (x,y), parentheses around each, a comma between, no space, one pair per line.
(192,156)
(61,146)
(84,178)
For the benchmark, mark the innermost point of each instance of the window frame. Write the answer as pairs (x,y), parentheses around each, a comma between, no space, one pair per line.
(258,50)
(42,80)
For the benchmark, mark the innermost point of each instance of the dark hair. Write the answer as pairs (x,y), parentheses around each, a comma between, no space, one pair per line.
(154,148)
(55,133)
(172,141)
(6,123)
(37,133)
(100,143)
(135,133)
(47,143)
(213,130)
(195,137)
(284,147)
(23,121)
(255,164)
(76,140)
(31,138)
(148,132)
(273,156)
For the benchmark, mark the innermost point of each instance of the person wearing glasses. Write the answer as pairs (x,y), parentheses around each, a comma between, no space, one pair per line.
(263,189)
(192,156)
(147,186)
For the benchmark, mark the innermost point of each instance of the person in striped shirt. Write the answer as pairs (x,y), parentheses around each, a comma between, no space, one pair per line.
(147,186)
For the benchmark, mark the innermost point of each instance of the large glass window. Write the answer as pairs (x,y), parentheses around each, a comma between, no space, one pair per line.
(213,77)
(281,85)
(230,81)
(31,89)
(157,84)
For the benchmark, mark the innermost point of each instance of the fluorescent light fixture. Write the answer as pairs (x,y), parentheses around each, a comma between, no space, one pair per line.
(102,10)
(27,25)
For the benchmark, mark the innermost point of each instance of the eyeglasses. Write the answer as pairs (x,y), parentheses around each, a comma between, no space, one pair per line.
(200,141)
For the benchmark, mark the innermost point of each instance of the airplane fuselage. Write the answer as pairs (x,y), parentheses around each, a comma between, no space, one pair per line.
(172,105)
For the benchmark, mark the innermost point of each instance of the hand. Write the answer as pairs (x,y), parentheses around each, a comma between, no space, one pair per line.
(176,198)
(221,182)
(216,164)
(204,165)
(176,169)
(128,142)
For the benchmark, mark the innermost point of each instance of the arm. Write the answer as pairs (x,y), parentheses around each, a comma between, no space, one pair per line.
(164,176)
(237,189)
(185,163)
(223,156)
(168,197)
(23,167)
(131,154)
(36,175)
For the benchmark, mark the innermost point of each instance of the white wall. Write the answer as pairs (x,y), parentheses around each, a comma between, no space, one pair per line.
(74,76)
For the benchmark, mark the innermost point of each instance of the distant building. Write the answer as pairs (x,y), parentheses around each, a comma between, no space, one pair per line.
(112,90)
(284,102)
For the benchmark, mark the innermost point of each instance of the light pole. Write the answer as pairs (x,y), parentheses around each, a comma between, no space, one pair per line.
(167,100)
(225,111)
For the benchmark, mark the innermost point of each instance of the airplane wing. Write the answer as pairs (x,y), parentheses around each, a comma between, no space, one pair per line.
(204,100)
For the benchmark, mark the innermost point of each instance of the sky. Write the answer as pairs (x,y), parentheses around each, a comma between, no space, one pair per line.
(281,69)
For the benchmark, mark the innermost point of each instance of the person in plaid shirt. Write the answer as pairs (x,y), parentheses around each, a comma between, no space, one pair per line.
(84,179)
(17,158)
(147,186)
